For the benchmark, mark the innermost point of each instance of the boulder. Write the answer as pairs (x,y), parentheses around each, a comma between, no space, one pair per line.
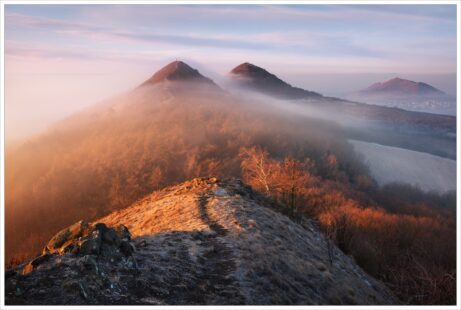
(35,263)
(97,239)
(88,262)
(122,232)
(63,241)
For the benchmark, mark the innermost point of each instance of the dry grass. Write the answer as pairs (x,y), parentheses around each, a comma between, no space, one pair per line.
(276,260)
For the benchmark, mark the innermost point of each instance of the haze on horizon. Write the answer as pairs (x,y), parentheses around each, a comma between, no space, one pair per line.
(61,58)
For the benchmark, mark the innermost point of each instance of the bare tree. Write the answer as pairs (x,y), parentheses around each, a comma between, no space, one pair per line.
(257,168)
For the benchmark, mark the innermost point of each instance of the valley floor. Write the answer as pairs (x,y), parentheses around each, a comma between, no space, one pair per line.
(392,164)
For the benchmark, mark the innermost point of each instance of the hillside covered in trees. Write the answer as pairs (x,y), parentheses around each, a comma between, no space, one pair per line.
(174,129)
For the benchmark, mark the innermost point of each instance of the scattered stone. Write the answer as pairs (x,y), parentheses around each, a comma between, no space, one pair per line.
(126,248)
(61,241)
(111,237)
(18,292)
(91,239)
(89,262)
(83,290)
(122,232)
(90,246)
(35,263)
(131,263)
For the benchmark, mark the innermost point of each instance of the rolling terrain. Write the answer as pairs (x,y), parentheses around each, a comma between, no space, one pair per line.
(177,125)
(290,145)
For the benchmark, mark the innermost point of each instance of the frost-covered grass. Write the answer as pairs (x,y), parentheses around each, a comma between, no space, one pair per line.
(232,248)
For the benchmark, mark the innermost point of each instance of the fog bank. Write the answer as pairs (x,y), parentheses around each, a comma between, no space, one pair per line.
(391,164)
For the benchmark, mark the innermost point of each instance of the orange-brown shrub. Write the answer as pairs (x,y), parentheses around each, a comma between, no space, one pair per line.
(413,252)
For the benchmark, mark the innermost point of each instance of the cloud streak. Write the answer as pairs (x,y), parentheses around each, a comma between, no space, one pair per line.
(389,36)
(291,42)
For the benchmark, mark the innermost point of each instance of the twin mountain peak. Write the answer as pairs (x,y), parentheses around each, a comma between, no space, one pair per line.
(180,71)
(245,75)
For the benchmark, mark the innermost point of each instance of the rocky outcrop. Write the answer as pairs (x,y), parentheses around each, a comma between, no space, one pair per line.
(204,241)
(91,239)
(75,267)
(88,240)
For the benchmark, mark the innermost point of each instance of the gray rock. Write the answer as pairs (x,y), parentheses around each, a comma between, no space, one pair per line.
(90,246)
(83,238)
(110,236)
(35,263)
(122,232)
(89,262)
(61,241)
(126,248)
(131,263)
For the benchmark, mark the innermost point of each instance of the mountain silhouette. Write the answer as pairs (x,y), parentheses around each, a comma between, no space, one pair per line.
(256,78)
(408,95)
(178,71)
(398,86)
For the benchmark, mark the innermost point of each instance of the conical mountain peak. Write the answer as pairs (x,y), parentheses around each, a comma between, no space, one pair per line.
(177,71)
(248,69)
(256,78)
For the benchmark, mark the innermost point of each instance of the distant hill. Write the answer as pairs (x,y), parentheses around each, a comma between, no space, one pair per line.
(406,94)
(202,242)
(402,87)
(259,80)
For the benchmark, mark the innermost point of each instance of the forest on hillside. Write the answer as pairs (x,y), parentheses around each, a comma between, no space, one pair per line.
(108,157)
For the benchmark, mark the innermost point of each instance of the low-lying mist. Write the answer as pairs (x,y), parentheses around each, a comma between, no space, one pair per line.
(425,171)
(112,154)
(108,156)
(418,131)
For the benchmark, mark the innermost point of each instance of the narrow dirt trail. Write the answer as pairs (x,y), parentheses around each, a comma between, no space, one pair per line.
(219,259)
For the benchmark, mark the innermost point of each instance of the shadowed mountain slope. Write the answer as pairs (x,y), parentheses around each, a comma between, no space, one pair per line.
(204,241)
(253,77)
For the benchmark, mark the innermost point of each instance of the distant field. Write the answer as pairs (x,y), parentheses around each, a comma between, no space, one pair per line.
(392,164)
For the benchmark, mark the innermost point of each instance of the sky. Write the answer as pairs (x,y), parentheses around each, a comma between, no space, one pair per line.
(62,58)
